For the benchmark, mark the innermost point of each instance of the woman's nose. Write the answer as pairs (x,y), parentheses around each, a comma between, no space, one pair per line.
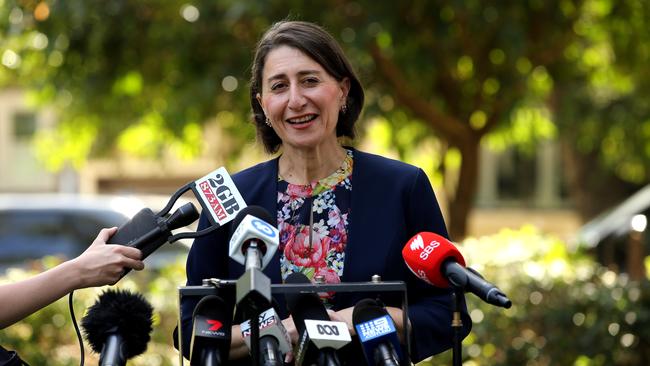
(296,99)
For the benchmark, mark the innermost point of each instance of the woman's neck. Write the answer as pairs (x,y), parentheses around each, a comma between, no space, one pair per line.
(297,166)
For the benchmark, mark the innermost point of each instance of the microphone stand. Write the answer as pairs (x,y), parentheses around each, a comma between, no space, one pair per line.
(457,326)
(255,336)
(253,291)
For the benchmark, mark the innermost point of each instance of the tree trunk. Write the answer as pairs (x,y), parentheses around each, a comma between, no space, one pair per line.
(463,199)
(592,188)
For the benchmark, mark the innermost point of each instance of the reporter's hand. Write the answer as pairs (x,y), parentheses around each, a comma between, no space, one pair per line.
(103,264)
(290,327)
(343,315)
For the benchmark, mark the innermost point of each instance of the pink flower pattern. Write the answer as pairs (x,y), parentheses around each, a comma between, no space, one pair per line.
(326,204)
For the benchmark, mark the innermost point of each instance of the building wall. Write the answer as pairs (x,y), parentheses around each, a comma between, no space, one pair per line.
(20,171)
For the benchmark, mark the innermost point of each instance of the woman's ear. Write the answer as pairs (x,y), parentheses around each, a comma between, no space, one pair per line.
(345,89)
(258,96)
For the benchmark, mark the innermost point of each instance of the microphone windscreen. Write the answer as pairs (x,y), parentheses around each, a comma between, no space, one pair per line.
(122,312)
(212,321)
(214,307)
(307,305)
(425,254)
(366,310)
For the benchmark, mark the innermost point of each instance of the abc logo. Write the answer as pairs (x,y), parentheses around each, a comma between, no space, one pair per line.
(264,227)
(327,329)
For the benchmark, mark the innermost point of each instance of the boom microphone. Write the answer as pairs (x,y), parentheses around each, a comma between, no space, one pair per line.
(117,326)
(218,196)
(377,333)
(304,307)
(147,232)
(211,332)
(437,261)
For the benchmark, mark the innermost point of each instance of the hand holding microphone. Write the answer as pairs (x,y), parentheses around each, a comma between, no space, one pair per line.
(101,263)
(437,261)
(147,231)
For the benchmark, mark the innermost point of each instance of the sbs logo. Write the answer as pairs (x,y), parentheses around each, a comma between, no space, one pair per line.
(417,243)
(428,249)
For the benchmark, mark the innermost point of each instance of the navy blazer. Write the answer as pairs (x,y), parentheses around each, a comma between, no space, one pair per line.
(391,202)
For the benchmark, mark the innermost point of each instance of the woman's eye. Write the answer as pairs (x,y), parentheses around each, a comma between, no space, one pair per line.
(277,86)
(311,81)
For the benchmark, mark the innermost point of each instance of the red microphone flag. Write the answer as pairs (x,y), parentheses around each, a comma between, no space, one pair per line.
(424,255)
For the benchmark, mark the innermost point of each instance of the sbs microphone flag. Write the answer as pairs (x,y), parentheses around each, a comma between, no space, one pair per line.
(437,261)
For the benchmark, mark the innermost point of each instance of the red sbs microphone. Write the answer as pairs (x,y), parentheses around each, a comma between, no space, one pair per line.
(438,262)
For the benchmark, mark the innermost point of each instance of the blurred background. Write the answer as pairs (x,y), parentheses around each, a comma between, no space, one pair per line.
(531,119)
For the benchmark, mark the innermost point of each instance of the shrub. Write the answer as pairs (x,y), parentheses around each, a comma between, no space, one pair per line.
(567,309)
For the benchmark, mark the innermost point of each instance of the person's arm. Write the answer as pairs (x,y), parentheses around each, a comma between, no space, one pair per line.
(101,264)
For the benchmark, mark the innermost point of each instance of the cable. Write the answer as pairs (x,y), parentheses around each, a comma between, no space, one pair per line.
(76,328)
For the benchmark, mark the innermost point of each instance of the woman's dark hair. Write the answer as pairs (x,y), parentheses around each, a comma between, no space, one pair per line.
(319,45)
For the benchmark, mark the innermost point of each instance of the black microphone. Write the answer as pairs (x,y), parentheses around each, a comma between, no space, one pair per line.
(211,332)
(304,307)
(147,231)
(117,326)
(377,333)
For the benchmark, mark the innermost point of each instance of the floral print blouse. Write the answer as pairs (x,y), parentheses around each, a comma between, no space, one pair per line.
(313,224)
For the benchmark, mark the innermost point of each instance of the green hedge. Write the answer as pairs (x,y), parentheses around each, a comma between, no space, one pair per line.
(566,310)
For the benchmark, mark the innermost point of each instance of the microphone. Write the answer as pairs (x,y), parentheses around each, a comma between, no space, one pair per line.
(117,326)
(210,343)
(147,231)
(438,262)
(253,243)
(254,239)
(273,338)
(377,333)
(218,196)
(321,349)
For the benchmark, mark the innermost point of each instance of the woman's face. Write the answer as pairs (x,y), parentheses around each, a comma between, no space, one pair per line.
(301,99)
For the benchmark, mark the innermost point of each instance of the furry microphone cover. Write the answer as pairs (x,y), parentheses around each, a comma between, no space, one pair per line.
(119,312)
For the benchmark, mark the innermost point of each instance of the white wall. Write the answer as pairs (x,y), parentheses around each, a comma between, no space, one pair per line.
(19,169)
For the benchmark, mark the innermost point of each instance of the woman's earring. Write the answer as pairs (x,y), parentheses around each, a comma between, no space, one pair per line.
(268,122)
(344,108)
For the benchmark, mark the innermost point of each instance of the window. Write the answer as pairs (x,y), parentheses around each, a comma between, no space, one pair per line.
(24,125)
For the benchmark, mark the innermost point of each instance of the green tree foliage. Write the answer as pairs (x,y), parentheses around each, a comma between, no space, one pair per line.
(600,102)
(142,76)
